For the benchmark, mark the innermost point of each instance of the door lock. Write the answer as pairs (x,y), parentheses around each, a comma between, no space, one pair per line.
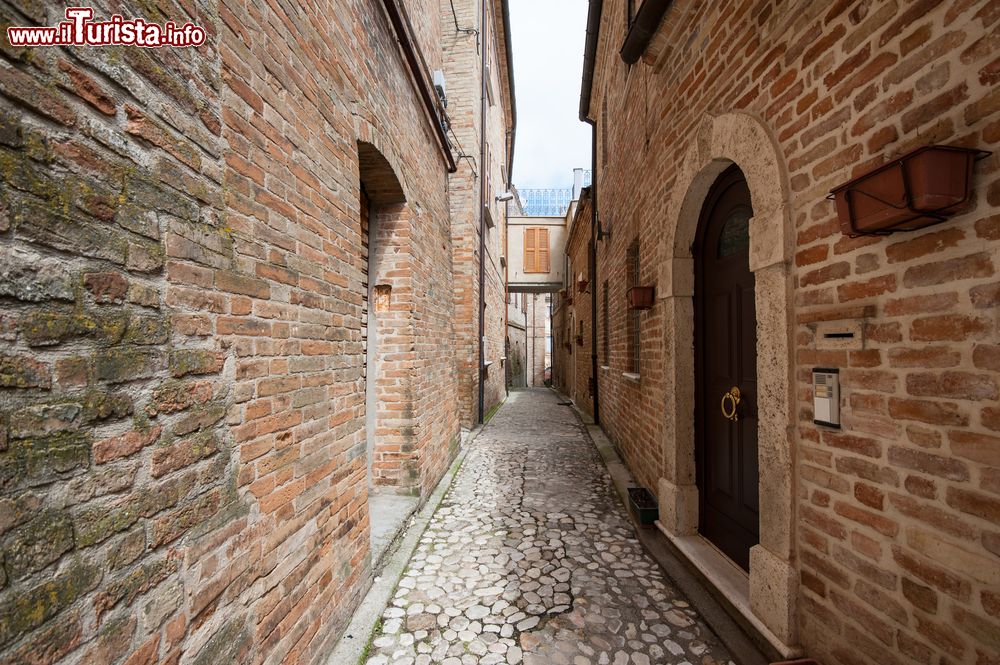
(731,400)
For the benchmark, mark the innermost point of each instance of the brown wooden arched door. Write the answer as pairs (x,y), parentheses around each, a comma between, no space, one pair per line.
(726,359)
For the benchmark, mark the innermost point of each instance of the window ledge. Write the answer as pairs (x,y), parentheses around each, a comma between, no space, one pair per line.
(605,367)
(631,376)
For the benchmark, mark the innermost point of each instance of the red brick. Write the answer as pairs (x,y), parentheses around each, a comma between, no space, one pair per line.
(869,496)
(876,286)
(18,85)
(826,274)
(956,328)
(974,503)
(924,462)
(106,287)
(812,255)
(985,296)
(88,89)
(950,270)
(988,228)
(942,636)
(945,521)
(924,245)
(855,444)
(924,357)
(147,654)
(880,523)
(926,571)
(124,445)
(935,413)
(925,488)
(922,304)
(986,356)
(925,437)
(990,417)
(953,385)
(935,108)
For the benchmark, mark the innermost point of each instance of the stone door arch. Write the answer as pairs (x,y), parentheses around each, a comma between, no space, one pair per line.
(721,141)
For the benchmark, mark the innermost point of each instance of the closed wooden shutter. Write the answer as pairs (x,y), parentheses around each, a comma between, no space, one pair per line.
(537,257)
(544,261)
(530,250)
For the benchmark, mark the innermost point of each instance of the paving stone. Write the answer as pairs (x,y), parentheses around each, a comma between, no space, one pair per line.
(531,559)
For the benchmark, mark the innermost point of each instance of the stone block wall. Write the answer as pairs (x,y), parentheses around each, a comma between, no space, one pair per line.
(894,546)
(182,414)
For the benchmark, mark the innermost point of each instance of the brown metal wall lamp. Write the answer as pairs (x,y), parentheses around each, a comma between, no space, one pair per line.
(919,189)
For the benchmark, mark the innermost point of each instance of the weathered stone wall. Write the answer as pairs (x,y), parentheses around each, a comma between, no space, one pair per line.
(182,417)
(894,545)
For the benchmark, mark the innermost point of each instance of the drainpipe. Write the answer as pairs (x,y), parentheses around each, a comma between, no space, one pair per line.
(482,214)
(594,11)
(593,270)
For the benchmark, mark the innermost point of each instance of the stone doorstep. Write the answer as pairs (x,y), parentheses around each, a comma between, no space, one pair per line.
(388,516)
(391,566)
(730,585)
(719,596)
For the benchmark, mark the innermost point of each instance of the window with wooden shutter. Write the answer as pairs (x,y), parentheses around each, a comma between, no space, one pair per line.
(530,251)
(537,257)
(543,251)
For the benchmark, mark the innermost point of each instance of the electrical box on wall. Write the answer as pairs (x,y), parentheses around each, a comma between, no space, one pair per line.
(826,397)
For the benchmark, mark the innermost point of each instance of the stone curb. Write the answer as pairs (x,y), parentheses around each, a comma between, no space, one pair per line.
(744,649)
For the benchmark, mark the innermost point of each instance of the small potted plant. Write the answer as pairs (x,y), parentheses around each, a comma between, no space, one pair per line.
(641,297)
(918,189)
(644,505)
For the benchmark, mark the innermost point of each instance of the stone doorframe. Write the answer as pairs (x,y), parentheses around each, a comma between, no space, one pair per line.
(719,142)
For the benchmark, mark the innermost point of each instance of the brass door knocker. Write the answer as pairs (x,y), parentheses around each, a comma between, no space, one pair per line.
(733,399)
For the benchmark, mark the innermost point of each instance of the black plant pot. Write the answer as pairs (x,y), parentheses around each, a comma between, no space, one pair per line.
(644,505)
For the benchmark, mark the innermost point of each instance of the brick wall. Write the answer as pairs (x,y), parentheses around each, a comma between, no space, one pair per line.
(516,365)
(182,417)
(575,379)
(463,72)
(897,539)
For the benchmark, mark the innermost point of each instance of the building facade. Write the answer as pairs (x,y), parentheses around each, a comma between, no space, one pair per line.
(720,129)
(481,109)
(516,357)
(573,365)
(227,312)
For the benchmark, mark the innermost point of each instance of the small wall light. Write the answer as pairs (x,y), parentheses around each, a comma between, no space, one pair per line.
(506,196)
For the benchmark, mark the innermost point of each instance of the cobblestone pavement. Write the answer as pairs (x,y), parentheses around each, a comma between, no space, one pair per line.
(531,559)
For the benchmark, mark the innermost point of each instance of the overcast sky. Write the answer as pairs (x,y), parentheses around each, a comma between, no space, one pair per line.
(548,37)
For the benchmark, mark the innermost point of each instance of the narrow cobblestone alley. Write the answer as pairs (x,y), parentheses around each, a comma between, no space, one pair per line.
(531,558)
